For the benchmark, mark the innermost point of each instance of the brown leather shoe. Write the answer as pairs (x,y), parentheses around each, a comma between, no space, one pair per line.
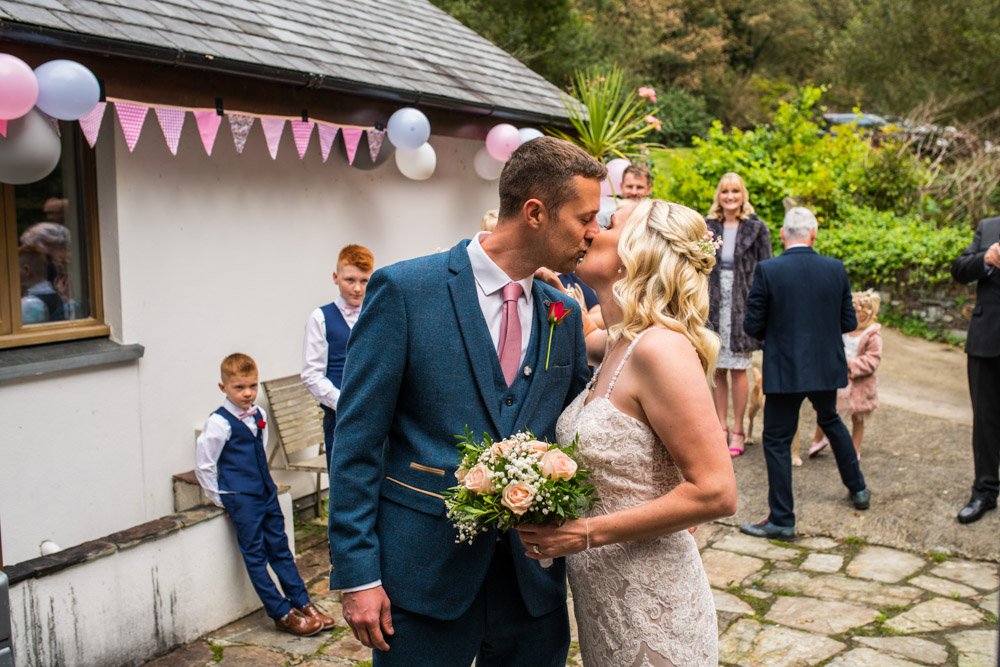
(296,623)
(312,611)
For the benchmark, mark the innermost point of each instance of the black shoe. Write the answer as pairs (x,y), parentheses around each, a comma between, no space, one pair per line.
(862,499)
(767,529)
(975,509)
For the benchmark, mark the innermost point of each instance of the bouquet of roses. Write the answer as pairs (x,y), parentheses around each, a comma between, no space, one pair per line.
(514,481)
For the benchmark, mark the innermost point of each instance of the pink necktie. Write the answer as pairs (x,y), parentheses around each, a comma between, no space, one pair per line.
(509,349)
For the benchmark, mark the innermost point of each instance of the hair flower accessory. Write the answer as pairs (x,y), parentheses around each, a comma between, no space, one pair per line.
(557,313)
(709,244)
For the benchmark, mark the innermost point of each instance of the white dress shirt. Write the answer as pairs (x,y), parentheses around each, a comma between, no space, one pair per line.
(490,281)
(315,352)
(213,438)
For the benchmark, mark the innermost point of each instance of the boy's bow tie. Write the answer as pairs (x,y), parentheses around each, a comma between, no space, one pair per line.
(252,412)
(351,311)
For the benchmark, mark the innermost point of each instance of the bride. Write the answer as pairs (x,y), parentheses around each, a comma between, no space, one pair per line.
(649,434)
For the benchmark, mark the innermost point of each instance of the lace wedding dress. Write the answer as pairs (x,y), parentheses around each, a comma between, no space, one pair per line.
(644,603)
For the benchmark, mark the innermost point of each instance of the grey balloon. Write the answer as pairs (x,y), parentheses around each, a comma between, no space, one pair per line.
(30,151)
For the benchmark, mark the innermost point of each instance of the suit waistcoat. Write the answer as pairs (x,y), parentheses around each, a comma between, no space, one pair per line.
(337,334)
(242,464)
(513,396)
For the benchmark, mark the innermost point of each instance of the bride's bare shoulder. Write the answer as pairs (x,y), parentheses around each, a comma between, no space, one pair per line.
(660,345)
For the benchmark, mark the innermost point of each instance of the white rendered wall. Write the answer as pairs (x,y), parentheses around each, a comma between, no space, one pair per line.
(203,256)
(124,608)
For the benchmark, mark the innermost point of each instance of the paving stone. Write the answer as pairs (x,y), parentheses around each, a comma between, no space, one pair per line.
(258,630)
(197,654)
(251,656)
(976,648)
(755,546)
(828,563)
(839,587)
(819,543)
(754,593)
(934,615)
(349,647)
(725,568)
(883,564)
(730,603)
(908,647)
(706,533)
(826,617)
(943,586)
(749,643)
(978,575)
(866,657)
(990,603)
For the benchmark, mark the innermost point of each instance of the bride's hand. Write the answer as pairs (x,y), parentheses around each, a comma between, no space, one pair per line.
(553,541)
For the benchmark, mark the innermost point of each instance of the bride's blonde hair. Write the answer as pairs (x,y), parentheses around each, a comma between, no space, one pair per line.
(667,259)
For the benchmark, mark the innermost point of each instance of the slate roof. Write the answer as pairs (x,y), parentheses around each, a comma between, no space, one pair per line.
(401,46)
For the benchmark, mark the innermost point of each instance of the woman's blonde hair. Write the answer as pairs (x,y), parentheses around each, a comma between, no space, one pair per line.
(746,209)
(663,250)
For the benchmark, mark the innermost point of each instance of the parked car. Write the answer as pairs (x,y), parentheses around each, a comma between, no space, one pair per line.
(864,120)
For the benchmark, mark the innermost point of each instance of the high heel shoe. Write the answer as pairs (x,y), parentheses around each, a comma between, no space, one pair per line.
(737,443)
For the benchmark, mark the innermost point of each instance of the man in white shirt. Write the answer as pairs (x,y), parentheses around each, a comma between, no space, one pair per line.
(324,347)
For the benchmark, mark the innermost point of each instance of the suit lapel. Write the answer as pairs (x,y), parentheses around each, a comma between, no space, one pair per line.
(472,326)
(537,386)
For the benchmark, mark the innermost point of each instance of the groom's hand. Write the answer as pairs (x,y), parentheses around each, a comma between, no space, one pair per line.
(368,614)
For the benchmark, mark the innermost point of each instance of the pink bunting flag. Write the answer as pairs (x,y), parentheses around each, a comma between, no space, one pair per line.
(3,127)
(239,125)
(272,133)
(131,118)
(208,122)
(352,136)
(171,122)
(301,133)
(375,138)
(91,123)
(327,135)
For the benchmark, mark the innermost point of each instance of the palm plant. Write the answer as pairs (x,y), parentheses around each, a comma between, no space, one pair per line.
(610,120)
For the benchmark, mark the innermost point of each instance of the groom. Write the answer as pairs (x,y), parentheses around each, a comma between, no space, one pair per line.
(445,342)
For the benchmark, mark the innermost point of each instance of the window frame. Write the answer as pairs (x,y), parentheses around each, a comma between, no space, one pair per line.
(12,332)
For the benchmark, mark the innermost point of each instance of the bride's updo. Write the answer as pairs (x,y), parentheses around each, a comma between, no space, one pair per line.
(667,256)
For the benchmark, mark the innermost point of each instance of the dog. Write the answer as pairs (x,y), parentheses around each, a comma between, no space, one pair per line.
(757,404)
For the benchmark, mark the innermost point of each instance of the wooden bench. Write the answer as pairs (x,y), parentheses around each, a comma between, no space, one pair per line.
(297,419)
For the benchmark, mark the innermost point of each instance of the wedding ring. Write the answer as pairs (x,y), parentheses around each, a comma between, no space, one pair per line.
(535,549)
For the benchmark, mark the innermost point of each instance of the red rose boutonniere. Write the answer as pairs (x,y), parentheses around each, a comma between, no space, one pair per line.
(261,423)
(557,313)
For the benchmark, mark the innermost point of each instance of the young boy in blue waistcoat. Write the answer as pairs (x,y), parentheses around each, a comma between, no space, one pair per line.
(231,465)
(324,347)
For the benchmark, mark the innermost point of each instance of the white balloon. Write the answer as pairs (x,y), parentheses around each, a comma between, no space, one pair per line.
(529,133)
(31,150)
(417,165)
(486,167)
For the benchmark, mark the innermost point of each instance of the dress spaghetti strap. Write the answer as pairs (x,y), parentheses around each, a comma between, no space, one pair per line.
(621,364)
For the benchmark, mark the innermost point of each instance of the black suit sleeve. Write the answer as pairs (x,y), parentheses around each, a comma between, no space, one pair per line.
(848,318)
(970,265)
(755,316)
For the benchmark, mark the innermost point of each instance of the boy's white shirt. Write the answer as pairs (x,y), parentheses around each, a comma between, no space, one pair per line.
(213,438)
(316,352)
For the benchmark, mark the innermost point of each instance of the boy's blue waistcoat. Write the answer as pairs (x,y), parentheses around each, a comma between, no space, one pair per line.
(242,464)
(337,334)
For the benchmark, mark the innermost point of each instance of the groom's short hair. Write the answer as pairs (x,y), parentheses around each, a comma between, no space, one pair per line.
(544,169)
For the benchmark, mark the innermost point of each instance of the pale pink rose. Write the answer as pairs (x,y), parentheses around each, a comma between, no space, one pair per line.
(537,447)
(648,93)
(460,474)
(654,121)
(478,480)
(502,448)
(517,497)
(556,465)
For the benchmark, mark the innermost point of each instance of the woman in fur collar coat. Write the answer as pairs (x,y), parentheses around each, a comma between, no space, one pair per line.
(745,241)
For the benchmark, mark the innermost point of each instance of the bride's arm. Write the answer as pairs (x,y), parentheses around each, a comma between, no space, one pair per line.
(665,379)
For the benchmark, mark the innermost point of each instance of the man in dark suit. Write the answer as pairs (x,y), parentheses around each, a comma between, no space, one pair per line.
(800,304)
(459,340)
(981,262)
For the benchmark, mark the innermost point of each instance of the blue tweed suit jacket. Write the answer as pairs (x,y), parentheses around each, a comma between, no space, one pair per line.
(421,366)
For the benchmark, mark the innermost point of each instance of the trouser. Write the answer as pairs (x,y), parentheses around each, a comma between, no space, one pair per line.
(781,420)
(984,386)
(260,532)
(496,629)
(329,426)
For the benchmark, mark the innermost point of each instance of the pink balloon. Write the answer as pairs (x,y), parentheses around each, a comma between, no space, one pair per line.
(19,86)
(605,188)
(616,171)
(501,141)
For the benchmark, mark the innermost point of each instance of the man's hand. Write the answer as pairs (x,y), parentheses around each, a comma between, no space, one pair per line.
(993,255)
(368,614)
